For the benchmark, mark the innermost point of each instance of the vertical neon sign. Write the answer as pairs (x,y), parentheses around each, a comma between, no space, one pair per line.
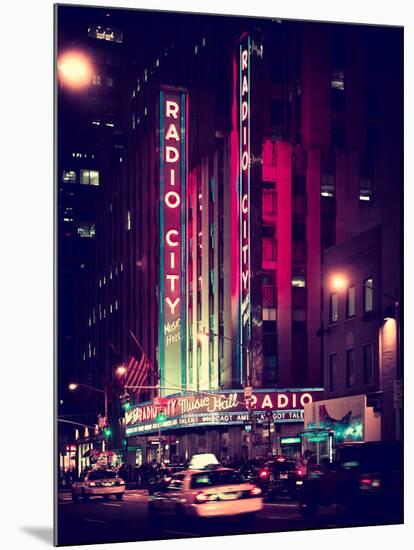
(173,175)
(244,205)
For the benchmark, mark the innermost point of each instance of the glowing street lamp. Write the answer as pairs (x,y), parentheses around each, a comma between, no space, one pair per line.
(339,282)
(121,370)
(73,387)
(75,69)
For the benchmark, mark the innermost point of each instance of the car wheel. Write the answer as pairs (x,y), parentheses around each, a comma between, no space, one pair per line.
(119,496)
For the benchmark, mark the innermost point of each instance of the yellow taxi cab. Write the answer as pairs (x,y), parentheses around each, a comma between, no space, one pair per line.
(206,492)
(102,483)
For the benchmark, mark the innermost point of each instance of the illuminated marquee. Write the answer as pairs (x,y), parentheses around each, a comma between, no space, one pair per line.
(173,169)
(244,201)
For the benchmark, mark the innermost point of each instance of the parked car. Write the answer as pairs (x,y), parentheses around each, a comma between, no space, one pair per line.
(277,476)
(216,492)
(365,479)
(103,483)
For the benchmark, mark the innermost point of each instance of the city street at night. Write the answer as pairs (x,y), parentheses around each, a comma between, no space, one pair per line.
(100,520)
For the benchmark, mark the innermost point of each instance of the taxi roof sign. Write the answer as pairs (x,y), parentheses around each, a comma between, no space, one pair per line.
(203,461)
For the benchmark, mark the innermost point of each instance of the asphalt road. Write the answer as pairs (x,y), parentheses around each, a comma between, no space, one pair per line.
(101,520)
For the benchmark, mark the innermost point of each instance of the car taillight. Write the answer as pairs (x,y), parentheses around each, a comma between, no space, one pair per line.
(167,479)
(300,472)
(121,482)
(255,492)
(201,497)
(369,482)
(92,484)
(264,474)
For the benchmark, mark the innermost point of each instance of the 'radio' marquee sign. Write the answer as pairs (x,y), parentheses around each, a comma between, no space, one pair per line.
(173,175)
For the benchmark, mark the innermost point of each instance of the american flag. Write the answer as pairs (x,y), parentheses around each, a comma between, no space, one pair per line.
(137,371)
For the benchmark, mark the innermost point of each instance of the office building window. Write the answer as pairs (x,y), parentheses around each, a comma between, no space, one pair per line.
(105,33)
(269,200)
(365,189)
(333,308)
(368,364)
(86,230)
(368,295)
(269,249)
(333,372)
(96,80)
(89,177)
(327,185)
(299,279)
(350,368)
(298,232)
(350,302)
(69,176)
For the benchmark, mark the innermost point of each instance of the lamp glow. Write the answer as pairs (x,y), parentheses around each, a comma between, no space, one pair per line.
(73,387)
(339,282)
(75,69)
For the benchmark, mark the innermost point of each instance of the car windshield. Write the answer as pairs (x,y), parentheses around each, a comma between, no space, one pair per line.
(103,474)
(207,479)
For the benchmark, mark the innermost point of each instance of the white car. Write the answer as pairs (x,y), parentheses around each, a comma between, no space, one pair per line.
(99,483)
(206,493)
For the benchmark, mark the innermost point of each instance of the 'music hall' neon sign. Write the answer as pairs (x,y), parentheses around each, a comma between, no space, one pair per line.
(173,173)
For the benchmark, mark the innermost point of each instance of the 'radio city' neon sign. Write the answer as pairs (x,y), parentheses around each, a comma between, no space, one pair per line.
(172,229)
(244,195)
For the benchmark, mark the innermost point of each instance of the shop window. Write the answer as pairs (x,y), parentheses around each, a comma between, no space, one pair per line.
(365,189)
(86,230)
(269,250)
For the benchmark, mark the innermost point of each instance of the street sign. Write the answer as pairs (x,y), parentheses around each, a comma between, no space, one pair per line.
(247,392)
(160,401)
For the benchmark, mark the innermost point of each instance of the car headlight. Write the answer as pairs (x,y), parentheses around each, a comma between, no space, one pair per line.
(121,482)
(92,484)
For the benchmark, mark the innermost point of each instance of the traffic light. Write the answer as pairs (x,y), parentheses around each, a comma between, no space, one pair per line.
(125,401)
(108,431)
(161,417)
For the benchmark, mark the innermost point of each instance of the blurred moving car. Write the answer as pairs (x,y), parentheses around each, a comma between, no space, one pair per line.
(102,483)
(364,480)
(277,476)
(203,493)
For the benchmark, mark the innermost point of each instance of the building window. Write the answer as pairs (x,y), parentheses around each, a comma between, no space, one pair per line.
(109,81)
(269,249)
(368,364)
(69,176)
(86,230)
(333,372)
(128,223)
(337,79)
(350,302)
(105,33)
(299,280)
(269,201)
(327,185)
(350,368)
(269,296)
(368,295)
(365,189)
(89,177)
(298,232)
(333,308)
(96,80)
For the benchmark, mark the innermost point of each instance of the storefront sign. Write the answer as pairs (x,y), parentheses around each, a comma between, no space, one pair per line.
(228,407)
(173,169)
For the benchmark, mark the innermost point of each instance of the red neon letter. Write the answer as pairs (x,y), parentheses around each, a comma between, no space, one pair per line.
(244,59)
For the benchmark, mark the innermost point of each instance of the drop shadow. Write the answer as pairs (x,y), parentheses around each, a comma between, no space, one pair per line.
(45,534)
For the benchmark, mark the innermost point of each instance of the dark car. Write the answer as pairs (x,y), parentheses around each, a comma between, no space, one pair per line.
(364,480)
(276,477)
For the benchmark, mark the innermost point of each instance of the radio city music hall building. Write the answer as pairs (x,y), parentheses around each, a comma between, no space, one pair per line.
(251,147)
